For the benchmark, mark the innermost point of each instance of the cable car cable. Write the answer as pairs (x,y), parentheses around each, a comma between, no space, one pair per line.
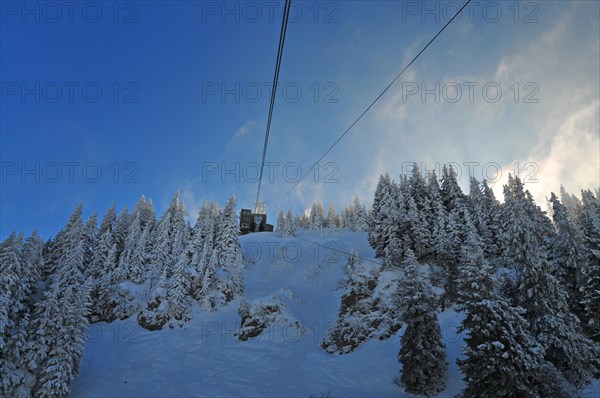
(286,13)
(371,105)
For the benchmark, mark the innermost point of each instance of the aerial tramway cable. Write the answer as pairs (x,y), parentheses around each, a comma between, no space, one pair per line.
(286,13)
(315,164)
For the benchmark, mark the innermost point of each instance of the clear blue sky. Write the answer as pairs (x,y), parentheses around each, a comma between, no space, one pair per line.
(162,124)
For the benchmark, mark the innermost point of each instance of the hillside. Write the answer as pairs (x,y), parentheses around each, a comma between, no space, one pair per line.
(205,358)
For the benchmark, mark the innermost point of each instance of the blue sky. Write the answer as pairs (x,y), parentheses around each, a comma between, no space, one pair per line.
(184,94)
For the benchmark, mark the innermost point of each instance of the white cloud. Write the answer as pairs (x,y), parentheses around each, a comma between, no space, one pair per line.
(242,132)
(573,158)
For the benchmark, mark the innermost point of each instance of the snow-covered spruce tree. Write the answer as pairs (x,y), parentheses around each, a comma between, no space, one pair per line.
(229,254)
(394,254)
(346,220)
(317,216)
(104,290)
(571,202)
(359,216)
(502,358)
(385,215)
(353,262)
(13,310)
(179,295)
(51,255)
(120,230)
(452,195)
(62,362)
(458,227)
(12,288)
(69,270)
(282,224)
(538,291)
(333,220)
(349,330)
(105,243)
(56,339)
(15,379)
(124,268)
(157,312)
(170,237)
(290,226)
(90,240)
(161,257)
(429,215)
(367,309)
(280,221)
(145,209)
(417,186)
(422,352)
(419,233)
(136,250)
(140,257)
(567,255)
(553,324)
(475,278)
(108,220)
(524,227)
(210,284)
(589,220)
(302,221)
(41,338)
(202,245)
(483,208)
(33,267)
(439,218)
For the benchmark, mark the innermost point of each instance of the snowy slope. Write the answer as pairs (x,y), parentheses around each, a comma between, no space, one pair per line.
(205,358)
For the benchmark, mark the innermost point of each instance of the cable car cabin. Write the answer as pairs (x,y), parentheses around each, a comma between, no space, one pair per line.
(253,222)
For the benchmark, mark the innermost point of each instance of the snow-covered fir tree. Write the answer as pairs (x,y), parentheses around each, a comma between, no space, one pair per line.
(179,294)
(105,243)
(56,337)
(484,210)
(568,254)
(422,352)
(61,364)
(108,220)
(502,358)
(589,221)
(333,220)
(157,312)
(317,216)
(170,238)
(388,217)
(419,232)
(103,293)
(524,228)
(359,216)
(15,290)
(379,214)
(202,245)
(571,203)
(302,221)
(280,221)
(290,226)
(417,186)
(537,290)
(229,253)
(120,230)
(90,239)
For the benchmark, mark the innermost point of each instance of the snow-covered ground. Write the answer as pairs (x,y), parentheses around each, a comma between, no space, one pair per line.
(205,359)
